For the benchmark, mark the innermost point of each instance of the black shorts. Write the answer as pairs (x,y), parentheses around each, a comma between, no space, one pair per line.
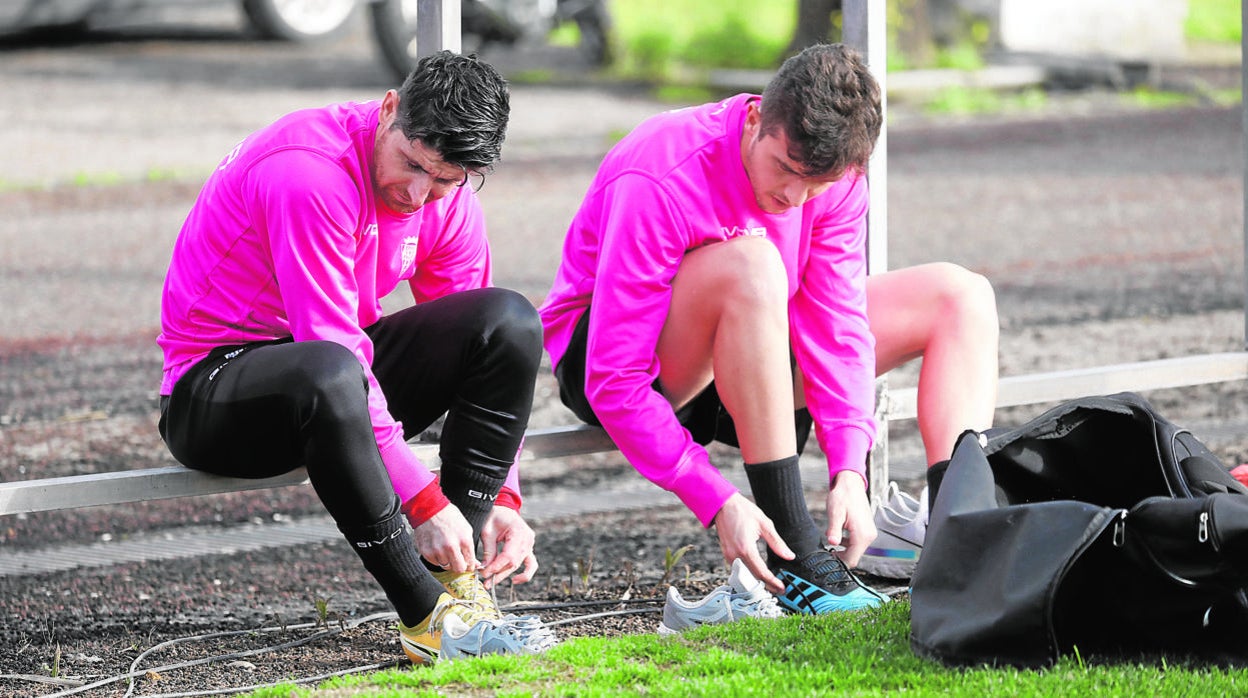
(704,416)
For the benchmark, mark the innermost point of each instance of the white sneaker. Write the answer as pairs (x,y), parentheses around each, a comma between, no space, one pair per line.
(901,502)
(901,521)
(459,628)
(743,597)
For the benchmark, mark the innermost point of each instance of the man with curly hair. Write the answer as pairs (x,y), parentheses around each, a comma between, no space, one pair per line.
(713,286)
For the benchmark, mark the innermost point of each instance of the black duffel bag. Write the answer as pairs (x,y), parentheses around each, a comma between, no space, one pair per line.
(1098,527)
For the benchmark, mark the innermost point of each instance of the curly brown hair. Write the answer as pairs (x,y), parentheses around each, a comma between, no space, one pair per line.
(829,107)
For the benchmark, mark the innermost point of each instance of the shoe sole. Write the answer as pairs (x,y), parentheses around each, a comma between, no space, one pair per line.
(419,655)
(887,568)
(892,557)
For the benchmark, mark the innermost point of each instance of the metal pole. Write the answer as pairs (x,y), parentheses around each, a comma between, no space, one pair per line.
(864,29)
(437,26)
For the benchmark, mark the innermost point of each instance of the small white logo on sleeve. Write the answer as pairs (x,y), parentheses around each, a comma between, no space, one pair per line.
(231,157)
(738,231)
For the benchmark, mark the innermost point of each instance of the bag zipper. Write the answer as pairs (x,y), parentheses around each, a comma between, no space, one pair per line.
(1119,536)
(1204,532)
(1120,529)
(1206,527)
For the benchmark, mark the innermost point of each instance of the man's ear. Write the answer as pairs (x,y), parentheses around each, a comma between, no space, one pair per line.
(389,109)
(753,117)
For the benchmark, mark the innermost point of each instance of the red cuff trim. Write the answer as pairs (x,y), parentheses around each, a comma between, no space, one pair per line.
(509,498)
(426,504)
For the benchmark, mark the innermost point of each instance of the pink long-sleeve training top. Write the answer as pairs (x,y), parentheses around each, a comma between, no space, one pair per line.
(674,184)
(287,239)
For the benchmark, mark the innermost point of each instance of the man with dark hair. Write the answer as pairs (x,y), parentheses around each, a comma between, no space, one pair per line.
(714,281)
(277,354)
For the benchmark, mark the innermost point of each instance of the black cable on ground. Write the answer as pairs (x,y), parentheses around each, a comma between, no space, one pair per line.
(135,672)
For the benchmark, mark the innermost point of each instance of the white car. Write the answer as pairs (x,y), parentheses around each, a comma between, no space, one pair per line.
(292,20)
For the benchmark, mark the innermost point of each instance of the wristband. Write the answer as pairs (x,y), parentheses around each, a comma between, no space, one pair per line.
(509,498)
(426,504)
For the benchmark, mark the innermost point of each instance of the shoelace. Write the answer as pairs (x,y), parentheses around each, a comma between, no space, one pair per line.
(761,604)
(530,631)
(470,612)
(471,589)
(826,568)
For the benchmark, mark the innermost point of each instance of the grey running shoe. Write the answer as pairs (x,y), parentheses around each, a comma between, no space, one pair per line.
(510,634)
(459,628)
(901,521)
(743,597)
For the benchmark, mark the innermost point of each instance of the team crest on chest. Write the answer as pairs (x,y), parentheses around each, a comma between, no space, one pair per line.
(408,253)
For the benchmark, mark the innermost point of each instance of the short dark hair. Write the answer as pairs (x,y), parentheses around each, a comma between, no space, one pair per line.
(457,105)
(828,105)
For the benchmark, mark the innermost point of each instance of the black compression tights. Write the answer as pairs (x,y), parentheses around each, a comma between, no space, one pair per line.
(264,409)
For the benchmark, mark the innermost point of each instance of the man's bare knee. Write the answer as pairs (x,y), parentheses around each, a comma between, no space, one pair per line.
(968,295)
(755,273)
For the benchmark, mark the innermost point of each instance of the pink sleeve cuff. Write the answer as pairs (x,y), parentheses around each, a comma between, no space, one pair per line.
(846,448)
(704,490)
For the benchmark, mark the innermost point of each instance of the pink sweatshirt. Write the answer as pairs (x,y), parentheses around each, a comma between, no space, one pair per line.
(674,184)
(286,239)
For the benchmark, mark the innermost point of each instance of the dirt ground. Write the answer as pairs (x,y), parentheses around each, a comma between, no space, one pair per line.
(1110,234)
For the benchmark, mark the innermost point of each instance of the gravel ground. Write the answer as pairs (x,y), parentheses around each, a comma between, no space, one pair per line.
(1111,235)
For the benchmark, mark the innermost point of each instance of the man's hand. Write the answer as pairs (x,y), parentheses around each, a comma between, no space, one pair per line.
(740,524)
(506,528)
(849,510)
(446,541)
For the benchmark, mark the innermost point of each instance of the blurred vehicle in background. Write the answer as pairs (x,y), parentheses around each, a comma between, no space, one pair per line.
(290,20)
(486,22)
(393,22)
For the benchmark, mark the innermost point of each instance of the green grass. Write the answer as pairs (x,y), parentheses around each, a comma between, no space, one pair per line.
(859,654)
(969,100)
(660,39)
(1214,21)
(86,179)
(664,40)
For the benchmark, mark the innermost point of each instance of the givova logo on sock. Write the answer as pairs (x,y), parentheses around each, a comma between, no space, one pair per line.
(374,543)
(482,495)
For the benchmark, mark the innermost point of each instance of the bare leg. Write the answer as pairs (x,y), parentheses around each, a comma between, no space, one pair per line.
(729,321)
(948,316)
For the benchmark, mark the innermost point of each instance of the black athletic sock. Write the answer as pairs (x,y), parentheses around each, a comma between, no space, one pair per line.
(935,474)
(479,445)
(389,554)
(472,492)
(777,488)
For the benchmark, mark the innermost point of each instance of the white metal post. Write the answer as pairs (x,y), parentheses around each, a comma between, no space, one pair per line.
(437,26)
(864,29)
